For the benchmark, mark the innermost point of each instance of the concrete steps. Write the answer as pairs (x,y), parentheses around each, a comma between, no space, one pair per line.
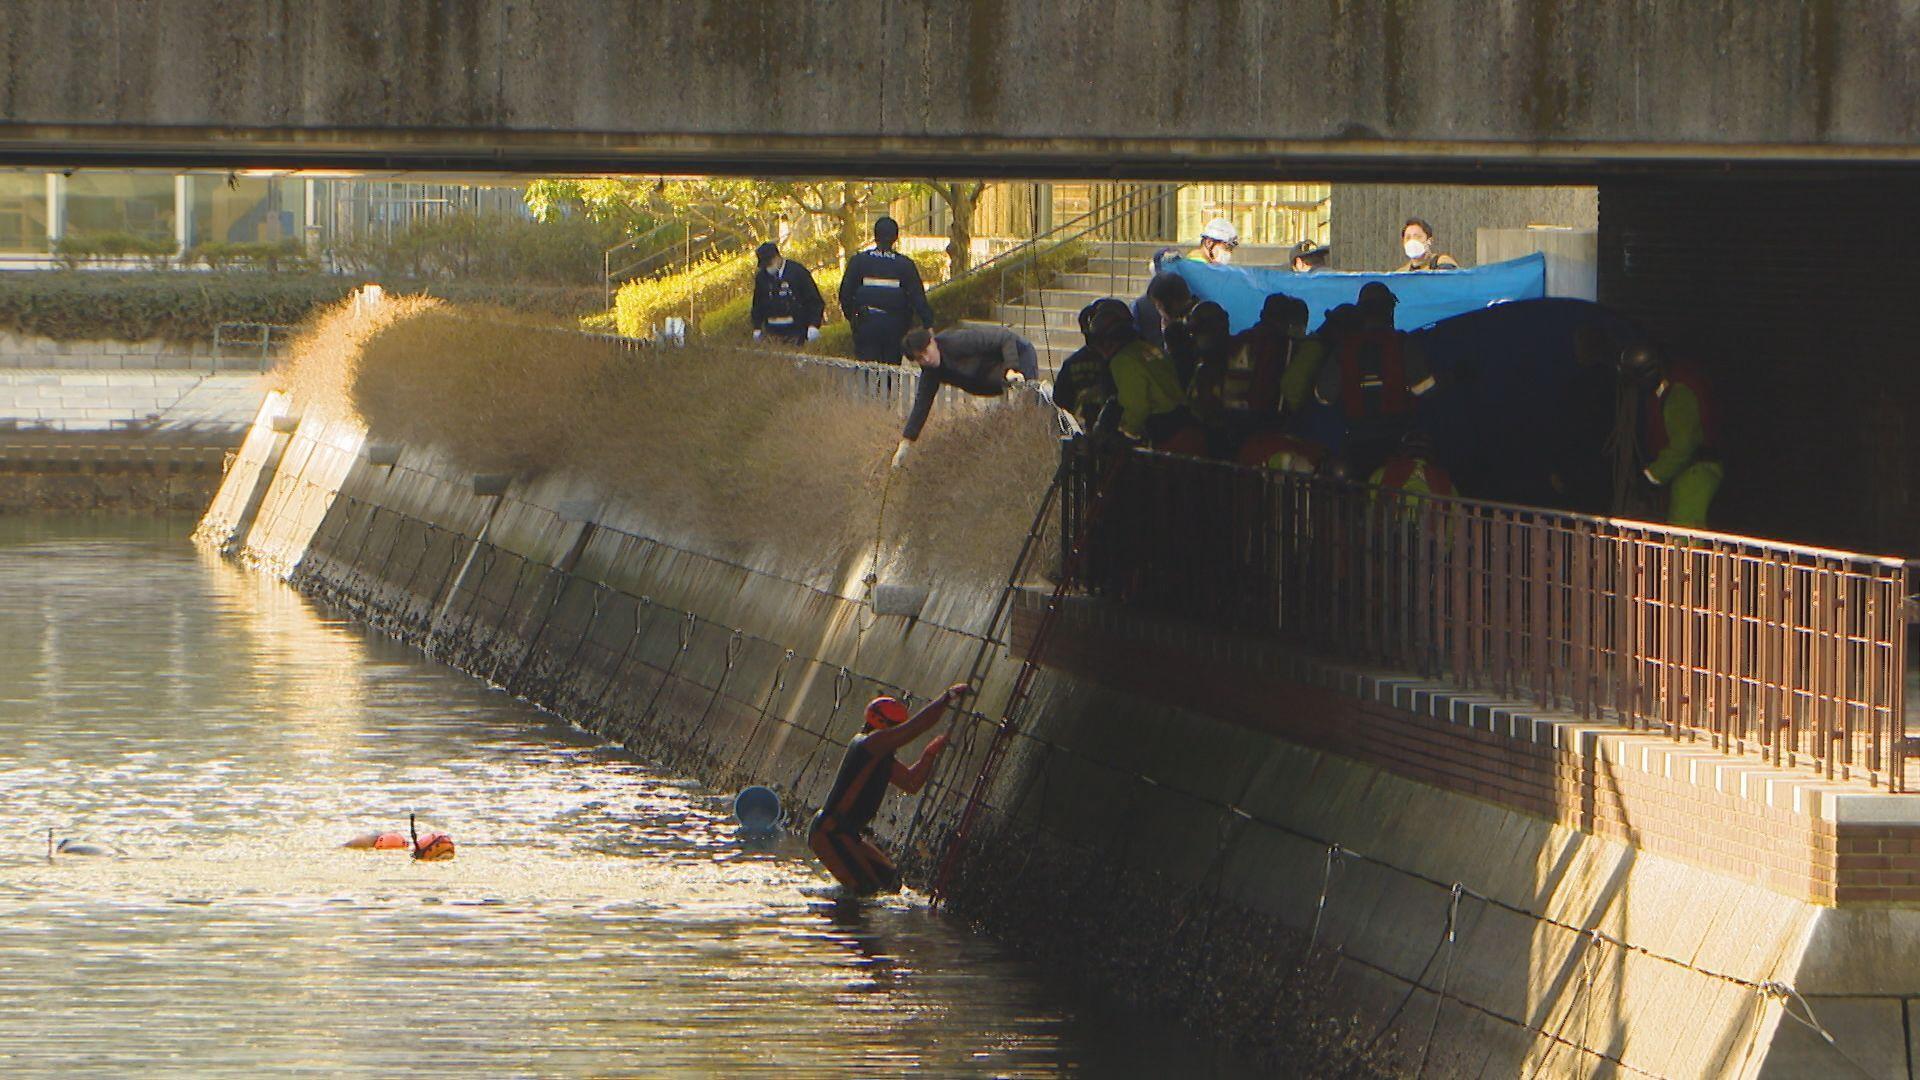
(1050,318)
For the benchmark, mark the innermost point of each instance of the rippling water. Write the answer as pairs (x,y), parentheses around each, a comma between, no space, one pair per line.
(600,919)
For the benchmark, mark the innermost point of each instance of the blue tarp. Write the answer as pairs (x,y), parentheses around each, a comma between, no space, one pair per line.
(1425,297)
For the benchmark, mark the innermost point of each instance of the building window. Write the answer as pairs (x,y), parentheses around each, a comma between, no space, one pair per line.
(247,209)
(23,213)
(130,204)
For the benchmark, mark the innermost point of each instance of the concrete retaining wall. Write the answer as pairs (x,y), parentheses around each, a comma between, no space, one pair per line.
(1183,859)
(32,351)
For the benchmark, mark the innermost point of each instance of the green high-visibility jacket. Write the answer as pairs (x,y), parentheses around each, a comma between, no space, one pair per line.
(1143,379)
(1680,434)
(1296,383)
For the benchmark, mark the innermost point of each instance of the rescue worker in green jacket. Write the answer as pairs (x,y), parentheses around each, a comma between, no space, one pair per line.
(1673,434)
(1153,406)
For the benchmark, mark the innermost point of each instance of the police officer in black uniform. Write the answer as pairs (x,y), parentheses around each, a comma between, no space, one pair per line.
(879,293)
(786,302)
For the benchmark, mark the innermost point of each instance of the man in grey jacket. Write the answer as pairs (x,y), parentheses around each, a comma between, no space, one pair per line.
(980,360)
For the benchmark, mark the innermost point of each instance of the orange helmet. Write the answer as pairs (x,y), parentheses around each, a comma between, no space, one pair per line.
(885,712)
(433,847)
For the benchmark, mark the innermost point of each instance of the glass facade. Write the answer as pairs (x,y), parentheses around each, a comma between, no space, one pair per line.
(226,208)
(245,209)
(106,203)
(354,208)
(23,213)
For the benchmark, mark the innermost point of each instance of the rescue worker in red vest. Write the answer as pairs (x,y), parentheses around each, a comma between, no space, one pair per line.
(1267,359)
(838,834)
(1281,452)
(1412,471)
(1674,434)
(1377,376)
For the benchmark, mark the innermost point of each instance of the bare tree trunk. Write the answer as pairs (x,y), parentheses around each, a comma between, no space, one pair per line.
(961,198)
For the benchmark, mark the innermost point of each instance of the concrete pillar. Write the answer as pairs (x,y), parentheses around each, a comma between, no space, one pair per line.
(309,218)
(183,211)
(56,209)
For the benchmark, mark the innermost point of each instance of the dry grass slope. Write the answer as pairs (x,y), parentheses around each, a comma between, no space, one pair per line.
(743,451)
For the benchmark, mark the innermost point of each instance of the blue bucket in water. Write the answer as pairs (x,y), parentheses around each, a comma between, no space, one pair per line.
(757,809)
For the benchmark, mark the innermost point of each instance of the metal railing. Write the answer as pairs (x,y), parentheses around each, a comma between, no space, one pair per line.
(1796,654)
(1017,271)
(673,254)
(256,343)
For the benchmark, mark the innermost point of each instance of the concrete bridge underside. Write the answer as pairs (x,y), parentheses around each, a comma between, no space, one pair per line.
(1434,90)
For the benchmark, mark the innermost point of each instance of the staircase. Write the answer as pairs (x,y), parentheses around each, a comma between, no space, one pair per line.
(1050,317)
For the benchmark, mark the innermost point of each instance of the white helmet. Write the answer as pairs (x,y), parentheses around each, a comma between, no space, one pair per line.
(1222,230)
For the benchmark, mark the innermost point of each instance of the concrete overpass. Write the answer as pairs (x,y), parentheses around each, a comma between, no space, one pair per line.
(1388,89)
(1754,161)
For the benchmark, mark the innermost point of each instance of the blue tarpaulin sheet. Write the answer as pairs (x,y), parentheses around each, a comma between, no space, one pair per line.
(1425,297)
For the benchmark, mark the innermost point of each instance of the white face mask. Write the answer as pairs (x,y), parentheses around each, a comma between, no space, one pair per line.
(1415,248)
(1222,254)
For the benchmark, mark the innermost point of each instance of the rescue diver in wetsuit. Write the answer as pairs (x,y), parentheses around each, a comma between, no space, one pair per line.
(838,833)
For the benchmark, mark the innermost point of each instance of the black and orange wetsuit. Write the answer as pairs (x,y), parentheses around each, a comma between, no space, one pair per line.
(837,832)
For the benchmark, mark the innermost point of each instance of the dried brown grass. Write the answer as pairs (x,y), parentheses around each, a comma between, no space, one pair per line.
(971,488)
(743,452)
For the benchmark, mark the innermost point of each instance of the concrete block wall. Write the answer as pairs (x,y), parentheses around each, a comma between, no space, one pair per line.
(1751,857)
(1178,856)
(31,351)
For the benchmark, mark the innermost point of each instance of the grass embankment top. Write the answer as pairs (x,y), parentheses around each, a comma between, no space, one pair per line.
(743,453)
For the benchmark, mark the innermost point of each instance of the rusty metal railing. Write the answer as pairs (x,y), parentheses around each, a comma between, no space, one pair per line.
(1795,654)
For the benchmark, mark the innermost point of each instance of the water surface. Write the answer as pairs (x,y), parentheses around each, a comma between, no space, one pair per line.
(601,917)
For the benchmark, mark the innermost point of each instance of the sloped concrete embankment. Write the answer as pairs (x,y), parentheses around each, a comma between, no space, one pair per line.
(707,665)
(1183,860)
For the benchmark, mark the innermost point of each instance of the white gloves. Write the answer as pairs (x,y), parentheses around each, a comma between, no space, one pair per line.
(756,335)
(900,454)
(1014,378)
(813,334)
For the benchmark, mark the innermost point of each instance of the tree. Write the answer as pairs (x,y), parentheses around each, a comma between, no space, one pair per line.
(844,203)
(742,212)
(962,198)
(626,202)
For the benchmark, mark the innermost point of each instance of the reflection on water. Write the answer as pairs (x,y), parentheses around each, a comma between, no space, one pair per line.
(600,917)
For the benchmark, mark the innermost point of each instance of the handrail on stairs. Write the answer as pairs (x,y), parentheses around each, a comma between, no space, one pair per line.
(1030,251)
(678,254)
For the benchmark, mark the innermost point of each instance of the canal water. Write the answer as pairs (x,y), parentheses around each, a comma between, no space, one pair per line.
(601,917)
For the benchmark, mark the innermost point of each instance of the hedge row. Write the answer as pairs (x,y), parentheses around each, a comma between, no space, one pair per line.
(974,296)
(734,319)
(185,307)
(707,287)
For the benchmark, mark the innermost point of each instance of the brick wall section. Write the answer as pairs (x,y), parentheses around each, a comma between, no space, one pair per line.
(1734,816)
